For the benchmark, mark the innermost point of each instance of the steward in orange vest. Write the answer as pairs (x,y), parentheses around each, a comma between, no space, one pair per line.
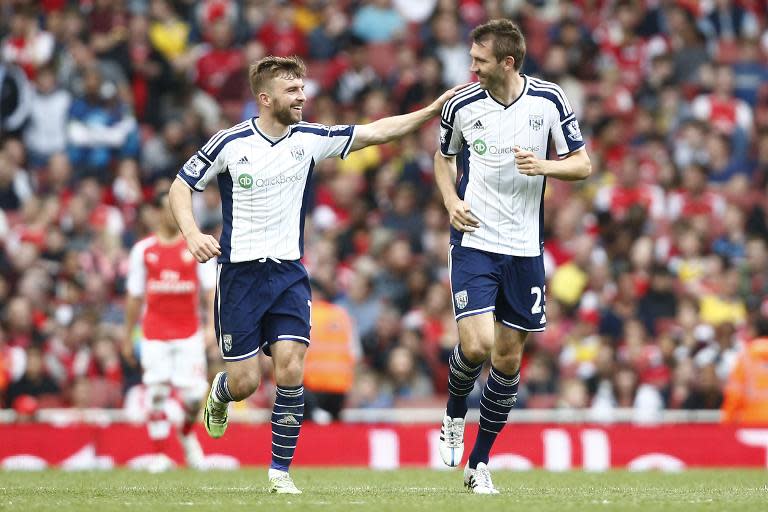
(746,394)
(329,366)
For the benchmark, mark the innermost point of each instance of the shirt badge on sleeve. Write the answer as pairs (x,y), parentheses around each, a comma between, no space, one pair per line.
(194,166)
(574,132)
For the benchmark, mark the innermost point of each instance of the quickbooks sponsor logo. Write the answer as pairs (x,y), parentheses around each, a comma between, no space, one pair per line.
(245,180)
(479,147)
(482,148)
(279,180)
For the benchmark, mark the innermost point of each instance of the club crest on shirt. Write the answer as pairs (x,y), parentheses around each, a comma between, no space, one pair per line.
(461,299)
(297,152)
(194,166)
(536,122)
(227,342)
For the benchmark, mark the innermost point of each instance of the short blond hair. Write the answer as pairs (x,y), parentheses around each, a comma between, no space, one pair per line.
(260,73)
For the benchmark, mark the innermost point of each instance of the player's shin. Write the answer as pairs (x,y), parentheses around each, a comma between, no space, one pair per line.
(461,380)
(287,417)
(499,396)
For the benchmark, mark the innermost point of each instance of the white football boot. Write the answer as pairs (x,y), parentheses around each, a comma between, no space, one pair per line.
(478,481)
(280,482)
(451,444)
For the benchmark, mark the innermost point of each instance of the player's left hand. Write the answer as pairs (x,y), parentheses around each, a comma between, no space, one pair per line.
(527,163)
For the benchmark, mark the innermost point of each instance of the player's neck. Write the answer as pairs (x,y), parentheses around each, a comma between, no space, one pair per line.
(508,91)
(167,236)
(270,126)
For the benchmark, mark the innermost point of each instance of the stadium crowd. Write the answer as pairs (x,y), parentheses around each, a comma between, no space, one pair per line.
(656,265)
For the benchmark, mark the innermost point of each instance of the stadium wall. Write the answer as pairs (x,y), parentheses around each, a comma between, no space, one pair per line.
(554,446)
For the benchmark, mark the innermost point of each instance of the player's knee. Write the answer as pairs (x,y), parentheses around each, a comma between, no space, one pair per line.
(475,353)
(508,363)
(243,385)
(290,372)
(475,348)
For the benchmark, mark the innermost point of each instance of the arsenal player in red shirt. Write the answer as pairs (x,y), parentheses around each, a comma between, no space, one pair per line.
(165,278)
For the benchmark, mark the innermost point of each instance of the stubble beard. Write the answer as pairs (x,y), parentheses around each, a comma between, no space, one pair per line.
(286,116)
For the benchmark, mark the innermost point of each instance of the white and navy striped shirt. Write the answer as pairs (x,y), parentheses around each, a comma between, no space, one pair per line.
(264,184)
(483,132)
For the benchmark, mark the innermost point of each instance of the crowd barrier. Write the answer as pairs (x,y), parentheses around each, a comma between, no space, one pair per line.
(103,440)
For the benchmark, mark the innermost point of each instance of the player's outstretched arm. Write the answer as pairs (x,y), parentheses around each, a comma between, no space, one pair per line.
(203,247)
(573,167)
(391,128)
(458,211)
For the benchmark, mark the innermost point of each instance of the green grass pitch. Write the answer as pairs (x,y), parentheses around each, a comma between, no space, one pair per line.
(402,490)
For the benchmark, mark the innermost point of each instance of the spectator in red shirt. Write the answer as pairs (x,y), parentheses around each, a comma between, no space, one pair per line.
(220,60)
(280,35)
(629,192)
(695,198)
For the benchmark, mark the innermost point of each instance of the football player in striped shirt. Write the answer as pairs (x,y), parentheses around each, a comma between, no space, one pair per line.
(500,129)
(263,167)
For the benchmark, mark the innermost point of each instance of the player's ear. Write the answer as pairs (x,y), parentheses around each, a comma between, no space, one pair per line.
(264,99)
(509,62)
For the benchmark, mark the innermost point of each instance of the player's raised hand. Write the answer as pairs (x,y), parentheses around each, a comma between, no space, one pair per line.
(203,247)
(461,216)
(437,105)
(527,163)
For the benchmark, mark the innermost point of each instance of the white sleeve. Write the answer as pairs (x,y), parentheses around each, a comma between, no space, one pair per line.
(564,127)
(330,141)
(206,274)
(206,163)
(136,281)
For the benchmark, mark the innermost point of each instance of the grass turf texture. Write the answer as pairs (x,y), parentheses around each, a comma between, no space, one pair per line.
(401,490)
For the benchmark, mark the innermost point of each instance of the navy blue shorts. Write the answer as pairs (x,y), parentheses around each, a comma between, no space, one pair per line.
(258,303)
(510,286)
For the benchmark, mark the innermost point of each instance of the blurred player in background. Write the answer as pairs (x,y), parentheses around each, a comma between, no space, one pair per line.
(263,300)
(500,127)
(165,276)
